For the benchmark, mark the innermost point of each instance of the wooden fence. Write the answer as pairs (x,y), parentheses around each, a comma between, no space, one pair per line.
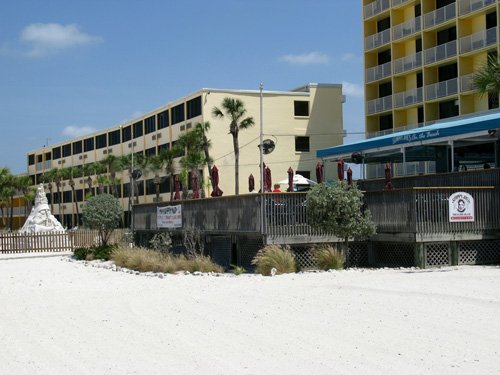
(11,243)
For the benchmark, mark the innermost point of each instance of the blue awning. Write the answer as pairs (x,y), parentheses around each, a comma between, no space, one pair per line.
(438,132)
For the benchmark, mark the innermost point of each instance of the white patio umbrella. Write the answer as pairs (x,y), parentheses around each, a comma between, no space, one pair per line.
(299,180)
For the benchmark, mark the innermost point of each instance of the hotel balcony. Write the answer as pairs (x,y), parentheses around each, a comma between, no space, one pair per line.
(467,83)
(407,98)
(478,40)
(398,2)
(377,40)
(407,63)
(469,6)
(406,28)
(375,8)
(441,89)
(440,16)
(441,52)
(379,105)
(378,72)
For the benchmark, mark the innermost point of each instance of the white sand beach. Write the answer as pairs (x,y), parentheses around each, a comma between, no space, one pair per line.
(62,317)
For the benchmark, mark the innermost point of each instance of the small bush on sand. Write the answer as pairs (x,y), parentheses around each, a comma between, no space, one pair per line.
(274,256)
(238,270)
(198,263)
(81,253)
(97,252)
(328,257)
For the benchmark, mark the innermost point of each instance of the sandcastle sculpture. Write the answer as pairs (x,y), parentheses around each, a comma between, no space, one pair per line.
(41,219)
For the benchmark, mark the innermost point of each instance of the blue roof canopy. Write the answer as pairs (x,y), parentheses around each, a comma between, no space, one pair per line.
(438,132)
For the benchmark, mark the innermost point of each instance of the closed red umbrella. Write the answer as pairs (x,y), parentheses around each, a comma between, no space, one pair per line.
(349,176)
(268,180)
(263,177)
(388,183)
(177,187)
(290,179)
(340,169)
(251,183)
(319,172)
(215,179)
(196,189)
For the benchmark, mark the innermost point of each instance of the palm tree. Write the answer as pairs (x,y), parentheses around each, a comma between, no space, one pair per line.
(203,128)
(89,171)
(54,176)
(23,184)
(47,179)
(235,110)
(113,165)
(487,79)
(168,161)
(69,174)
(6,191)
(155,165)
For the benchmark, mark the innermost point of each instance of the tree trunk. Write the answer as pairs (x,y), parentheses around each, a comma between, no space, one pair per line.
(11,215)
(207,158)
(236,161)
(59,198)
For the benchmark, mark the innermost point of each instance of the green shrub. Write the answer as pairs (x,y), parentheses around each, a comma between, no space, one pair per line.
(198,263)
(238,270)
(103,213)
(274,256)
(81,253)
(328,257)
(102,252)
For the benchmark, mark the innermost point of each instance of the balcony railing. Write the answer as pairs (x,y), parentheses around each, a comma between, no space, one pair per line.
(468,6)
(441,52)
(378,72)
(478,40)
(467,83)
(406,28)
(375,8)
(379,105)
(441,89)
(440,15)
(406,98)
(407,63)
(398,2)
(377,40)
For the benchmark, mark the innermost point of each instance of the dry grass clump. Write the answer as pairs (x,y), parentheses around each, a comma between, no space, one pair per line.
(274,256)
(328,257)
(146,260)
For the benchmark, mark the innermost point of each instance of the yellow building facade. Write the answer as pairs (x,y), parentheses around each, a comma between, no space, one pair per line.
(419,61)
(299,122)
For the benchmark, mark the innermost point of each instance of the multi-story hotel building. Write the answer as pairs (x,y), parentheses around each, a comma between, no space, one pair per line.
(299,121)
(420,57)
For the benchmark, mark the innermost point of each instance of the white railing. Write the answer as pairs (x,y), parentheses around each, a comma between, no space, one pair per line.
(441,89)
(440,15)
(406,98)
(377,40)
(407,63)
(394,130)
(441,52)
(398,2)
(478,40)
(378,72)
(379,105)
(467,83)
(468,6)
(375,8)
(406,28)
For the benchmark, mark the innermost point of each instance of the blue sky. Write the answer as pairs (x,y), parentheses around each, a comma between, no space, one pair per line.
(67,67)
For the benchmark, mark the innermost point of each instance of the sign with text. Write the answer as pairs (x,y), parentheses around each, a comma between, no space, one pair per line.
(169,217)
(461,207)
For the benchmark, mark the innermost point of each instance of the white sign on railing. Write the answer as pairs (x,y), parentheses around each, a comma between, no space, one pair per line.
(461,207)
(169,217)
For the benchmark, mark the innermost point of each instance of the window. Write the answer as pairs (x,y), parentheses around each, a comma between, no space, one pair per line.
(491,20)
(448,109)
(150,152)
(150,125)
(39,158)
(302,144)
(418,45)
(384,89)
(447,72)
(420,114)
(127,133)
(163,120)
(194,107)
(31,159)
(384,57)
(66,150)
(305,174)
(88,144)
(48,156)
(385,122)
(162,147)
(79,195)
(77,147)
(67,196)
(138,131)
(383,24)
(100,141)
(56,153)
(301,108)
(178,114)
(114,137)
(447,35)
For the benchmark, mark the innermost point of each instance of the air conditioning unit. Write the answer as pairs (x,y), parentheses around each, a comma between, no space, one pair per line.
(80,157)
(153,137)
(105,152)
(158,135)
(110,150)
(85,156)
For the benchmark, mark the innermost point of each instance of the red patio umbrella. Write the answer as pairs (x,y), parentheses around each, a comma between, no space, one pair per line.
(349,176)
(263,174)
(268,182)
(290,179)
(319,172)
(340,169)
(177,187)
(388,183)
(196,189)
(251,183)
(215,179)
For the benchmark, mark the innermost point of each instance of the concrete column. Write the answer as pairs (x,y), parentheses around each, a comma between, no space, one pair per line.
(454,256)
(420,255)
